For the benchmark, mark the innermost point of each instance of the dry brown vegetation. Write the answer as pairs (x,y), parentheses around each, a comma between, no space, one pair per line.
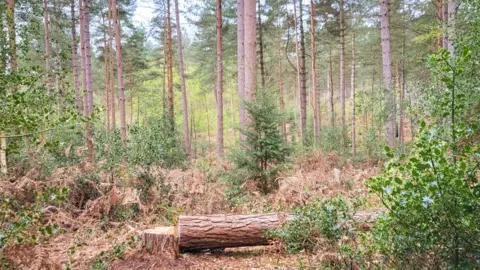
(89,225)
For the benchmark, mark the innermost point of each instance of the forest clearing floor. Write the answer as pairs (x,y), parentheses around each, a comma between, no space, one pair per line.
(91,237)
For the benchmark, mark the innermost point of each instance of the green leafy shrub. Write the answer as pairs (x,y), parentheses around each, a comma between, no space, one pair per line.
(322,222)
(434,201)
(264,150)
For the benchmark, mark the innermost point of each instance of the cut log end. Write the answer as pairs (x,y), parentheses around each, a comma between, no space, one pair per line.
(161,240)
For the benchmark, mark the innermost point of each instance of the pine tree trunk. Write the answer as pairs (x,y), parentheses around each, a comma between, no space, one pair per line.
(354,146)
(13,67)
(161,240)
(342,72)
(47,45)
(330,79)
(241,63)
(260,44)
(107,83)
(451,11)
(220,231)
(283,127)
(250,42)
(316,127)
(299,67)
(113,110)
(387,72)
(439,7)
(219,84)
(76,83)
(121,86)
(402,97)
(86,74)
(444,24)
(186,134)
(303,75)
(170,93)
(131,94)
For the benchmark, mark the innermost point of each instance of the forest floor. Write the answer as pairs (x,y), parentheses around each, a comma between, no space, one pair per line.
(89,238)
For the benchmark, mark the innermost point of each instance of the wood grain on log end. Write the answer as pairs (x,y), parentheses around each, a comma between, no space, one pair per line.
(161,240)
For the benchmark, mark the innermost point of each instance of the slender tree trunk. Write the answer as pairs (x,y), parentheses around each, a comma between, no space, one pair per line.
(219,83)
(387,72)
(107,83)
(121,87)
(316,127)
(131,94)
(241,62)
(13,67)
(170,97)
(372,96)
(250,41)
(86,74)
(283,127)
(186,134)
(451,11)
(299,67)
(303,75)
(439,7)
(342,72)
(444,4)
(330,79)
(260,44)
(402,97)
(354,147)
(113,110)
(47,45)
(76,83)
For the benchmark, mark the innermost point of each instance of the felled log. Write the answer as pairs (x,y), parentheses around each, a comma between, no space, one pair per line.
(161,240)
(226,230)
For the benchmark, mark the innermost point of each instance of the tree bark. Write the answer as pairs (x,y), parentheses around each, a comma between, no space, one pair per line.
(316,126)
(303,75)
(221,231)
(170,93)
(250,41)
(186,133)
(387,72)
(299,75)
(113,110)
(161,240)
(342,72)
(238,230)
(76,83)
(219,84)
(451,11)
(330,79)
(121,87)
(354,146)
(107,83)
(131,93)
(444,20)
(47,45)
(260,44)
(283,127)
(13,67)
(241,63)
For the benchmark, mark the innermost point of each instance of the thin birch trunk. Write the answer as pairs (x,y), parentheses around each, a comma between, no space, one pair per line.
(451,12)
(330,79)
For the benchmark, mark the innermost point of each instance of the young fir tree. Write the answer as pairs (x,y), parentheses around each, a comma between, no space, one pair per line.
(264,149)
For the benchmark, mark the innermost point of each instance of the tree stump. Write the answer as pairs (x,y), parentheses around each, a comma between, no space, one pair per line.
(226,230)
(161,240)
